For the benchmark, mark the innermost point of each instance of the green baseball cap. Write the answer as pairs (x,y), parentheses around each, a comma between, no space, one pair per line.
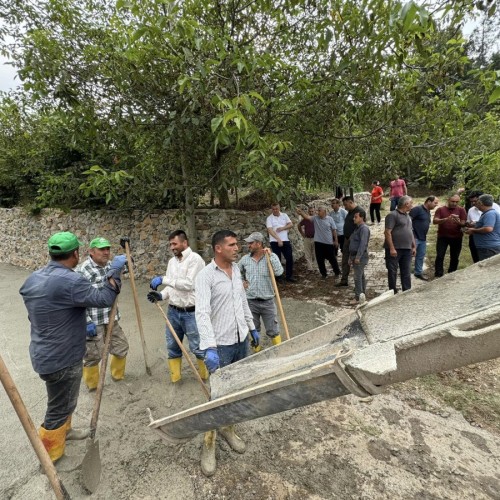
(63,242)
(100,243)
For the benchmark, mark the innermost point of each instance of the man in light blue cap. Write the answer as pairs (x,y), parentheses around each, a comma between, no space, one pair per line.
(57,298)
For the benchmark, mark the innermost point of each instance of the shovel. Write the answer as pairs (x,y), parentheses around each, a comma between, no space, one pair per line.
(91,465)
(125,244)
(29,428)
(277,293)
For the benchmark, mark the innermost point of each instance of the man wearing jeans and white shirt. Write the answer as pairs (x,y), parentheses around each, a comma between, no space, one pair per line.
(278,225)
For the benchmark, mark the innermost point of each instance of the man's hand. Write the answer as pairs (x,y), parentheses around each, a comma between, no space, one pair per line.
(393,252)
(357,261)
(212,359)
(91,330)
(245,284)
(154,297)
(118,262)
(156,282)
(280,243)
(254,334)
(413,251)
(267,250)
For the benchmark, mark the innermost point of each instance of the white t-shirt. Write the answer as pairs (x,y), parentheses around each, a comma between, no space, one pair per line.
(274,222)
(474,213)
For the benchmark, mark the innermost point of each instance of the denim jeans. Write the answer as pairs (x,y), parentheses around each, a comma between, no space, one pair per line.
(286,251)
(184,323)
(403,261)
(394,203)
(63,388)
(359,276)
(442,245)
(420,256)
(229,354)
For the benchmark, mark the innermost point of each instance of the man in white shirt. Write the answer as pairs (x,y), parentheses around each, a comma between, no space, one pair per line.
(473,215)
(278,224)
(224,321)
(179,290)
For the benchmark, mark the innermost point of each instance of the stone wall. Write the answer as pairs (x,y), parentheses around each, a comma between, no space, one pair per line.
(23,240)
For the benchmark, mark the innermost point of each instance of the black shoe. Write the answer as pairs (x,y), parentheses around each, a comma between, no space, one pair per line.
(341,283)
(291,280)
(420,277)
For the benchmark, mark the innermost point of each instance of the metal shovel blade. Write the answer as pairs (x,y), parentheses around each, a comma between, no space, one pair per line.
(91,466)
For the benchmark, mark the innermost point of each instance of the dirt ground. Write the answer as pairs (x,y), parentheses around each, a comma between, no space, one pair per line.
(405,443)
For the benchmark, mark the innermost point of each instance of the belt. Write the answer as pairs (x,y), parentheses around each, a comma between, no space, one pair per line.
(260,300)
(189,309)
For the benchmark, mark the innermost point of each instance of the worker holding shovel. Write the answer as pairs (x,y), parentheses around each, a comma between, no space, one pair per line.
(56,298)
(259,287)
(179,290)
(95,268)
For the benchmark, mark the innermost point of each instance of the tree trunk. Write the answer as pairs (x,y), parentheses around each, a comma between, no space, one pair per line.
(189,205)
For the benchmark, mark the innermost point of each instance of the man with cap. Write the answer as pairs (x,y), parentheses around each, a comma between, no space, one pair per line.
(57,299)
(95,269)
(179,290)
(259,287)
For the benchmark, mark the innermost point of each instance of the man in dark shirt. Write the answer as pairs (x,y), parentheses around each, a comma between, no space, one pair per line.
(56,298)
(349,227)
(358,254)
(450,220)
(399,244)
(421,221)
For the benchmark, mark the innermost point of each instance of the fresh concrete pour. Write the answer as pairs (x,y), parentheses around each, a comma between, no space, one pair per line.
(388,340)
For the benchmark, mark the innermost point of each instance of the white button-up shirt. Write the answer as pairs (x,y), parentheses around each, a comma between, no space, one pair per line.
(180,278)
(222,313)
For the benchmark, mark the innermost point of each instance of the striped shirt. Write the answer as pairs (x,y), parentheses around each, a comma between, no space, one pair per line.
(97,276)
(180,277)
(222,313)
(256,272)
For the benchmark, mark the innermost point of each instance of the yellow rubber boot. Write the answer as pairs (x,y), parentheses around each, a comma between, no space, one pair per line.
(91,376)
(117,367)
(276,340)
(174,365)
(208,462)
(257,349)
(202,369)
(54,441)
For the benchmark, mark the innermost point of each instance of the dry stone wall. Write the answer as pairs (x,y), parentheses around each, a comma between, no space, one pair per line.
(24,236)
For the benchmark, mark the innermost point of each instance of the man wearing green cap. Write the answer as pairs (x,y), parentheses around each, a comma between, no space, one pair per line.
(56,298)
(95,269)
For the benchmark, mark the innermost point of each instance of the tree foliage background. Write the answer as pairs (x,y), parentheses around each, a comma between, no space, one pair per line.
(157,103)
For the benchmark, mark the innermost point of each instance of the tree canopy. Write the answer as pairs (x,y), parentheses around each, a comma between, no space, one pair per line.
(156,103)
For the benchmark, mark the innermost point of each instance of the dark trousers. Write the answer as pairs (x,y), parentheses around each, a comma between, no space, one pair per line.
(63,388)
(340,238)
(486,253)
(442,245)
(326,252)
(394,202)
(375,211)
(346,268)
(401,261)
(286,251)
(473,249)
(231,353)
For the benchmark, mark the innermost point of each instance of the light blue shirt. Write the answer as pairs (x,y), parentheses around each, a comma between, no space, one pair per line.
(490,218)
(339,219)
(323,229)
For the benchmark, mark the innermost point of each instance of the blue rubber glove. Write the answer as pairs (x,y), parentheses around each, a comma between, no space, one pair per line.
(91,330)
(254,334)
(154,297)
(118,262)
(212,359)
(156,282)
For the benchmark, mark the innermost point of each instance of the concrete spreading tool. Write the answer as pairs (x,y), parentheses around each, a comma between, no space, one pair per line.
(450,322)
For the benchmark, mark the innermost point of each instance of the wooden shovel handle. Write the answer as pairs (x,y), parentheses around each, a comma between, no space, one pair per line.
(277,293)
(29,428)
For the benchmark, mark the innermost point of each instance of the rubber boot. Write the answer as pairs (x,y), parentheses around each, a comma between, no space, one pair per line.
(233,440)
(117,367)
(202,369)
(75,434)
(174,364)
(208,462)
(257,349)
(54,441)
(276,340)
(91,376)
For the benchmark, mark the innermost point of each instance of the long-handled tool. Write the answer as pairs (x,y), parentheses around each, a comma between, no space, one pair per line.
(29,428)
(184,351)
(278,300)
(125,243)
(91,465)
